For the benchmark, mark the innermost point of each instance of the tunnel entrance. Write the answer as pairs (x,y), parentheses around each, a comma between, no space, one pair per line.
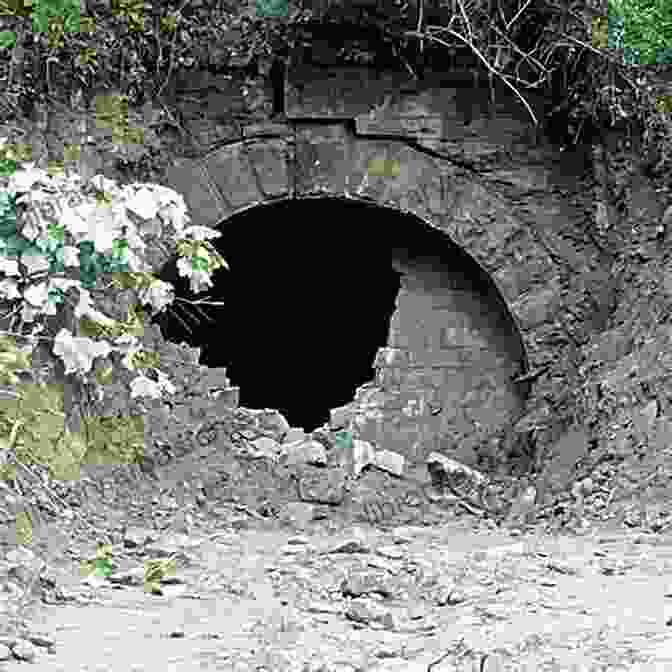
(336,304)
(307,302)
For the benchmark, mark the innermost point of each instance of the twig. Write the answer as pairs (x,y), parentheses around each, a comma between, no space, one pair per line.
(466,19)
(520,51)
(178,13)
(203,314)
(502,76)
(203,301)
(17,49)
(176,316)
(600,52)
(518,13)
(404,61)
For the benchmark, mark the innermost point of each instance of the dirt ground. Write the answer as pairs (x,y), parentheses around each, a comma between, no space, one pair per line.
(264,582)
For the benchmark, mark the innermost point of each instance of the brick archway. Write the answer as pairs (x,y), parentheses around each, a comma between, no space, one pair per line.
(323,161)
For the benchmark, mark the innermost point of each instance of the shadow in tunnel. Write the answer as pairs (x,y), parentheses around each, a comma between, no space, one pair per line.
(307,303)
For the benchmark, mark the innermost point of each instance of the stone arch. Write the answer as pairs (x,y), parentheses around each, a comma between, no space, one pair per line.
(323,161)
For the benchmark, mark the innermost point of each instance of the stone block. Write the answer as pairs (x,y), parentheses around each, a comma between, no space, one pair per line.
(512,282)
(416,126)
(322,161)
(182,414)
(226,400)
(425,187)
(295,434)
(267,128)
(390,168)
(322,486)
(371,96)
(205,204)
(363,454)
(364,178)
(304,452)
(389,461)
(399,437)
(390,376)
(230,170)
(270,159)
(391,357)
(214,378)
(324,436)
(266,447)
(537,307)
(416,185)
(336,92)
(368,428)
(341,417)
(298,514)
(375,397)
(524,178)
(270,419)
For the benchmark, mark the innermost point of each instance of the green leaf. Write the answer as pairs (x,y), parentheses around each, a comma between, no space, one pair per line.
(103,567)
(7,167)
(344,440)
(153,588)
(7,39)
(24,528)
(272,8)
(199,263)
(103,551)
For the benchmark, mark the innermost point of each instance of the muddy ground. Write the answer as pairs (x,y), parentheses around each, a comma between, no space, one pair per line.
(400,581)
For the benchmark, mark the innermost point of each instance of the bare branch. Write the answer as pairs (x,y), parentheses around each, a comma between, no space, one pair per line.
(525,56)
(421,10)
(466,19)
(487,64)
(518,13)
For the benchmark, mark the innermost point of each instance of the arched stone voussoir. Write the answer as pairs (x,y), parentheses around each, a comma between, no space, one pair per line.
(271,159)
(232,170)
(205,204)
(517,266)
(520,270)
(322,163)
(486,226)
(411,181)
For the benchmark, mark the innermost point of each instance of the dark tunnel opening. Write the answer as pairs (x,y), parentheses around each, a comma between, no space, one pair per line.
(307,303)
(309,298)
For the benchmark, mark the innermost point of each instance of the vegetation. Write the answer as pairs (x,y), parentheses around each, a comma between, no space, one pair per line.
(643,29)
(60,50)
